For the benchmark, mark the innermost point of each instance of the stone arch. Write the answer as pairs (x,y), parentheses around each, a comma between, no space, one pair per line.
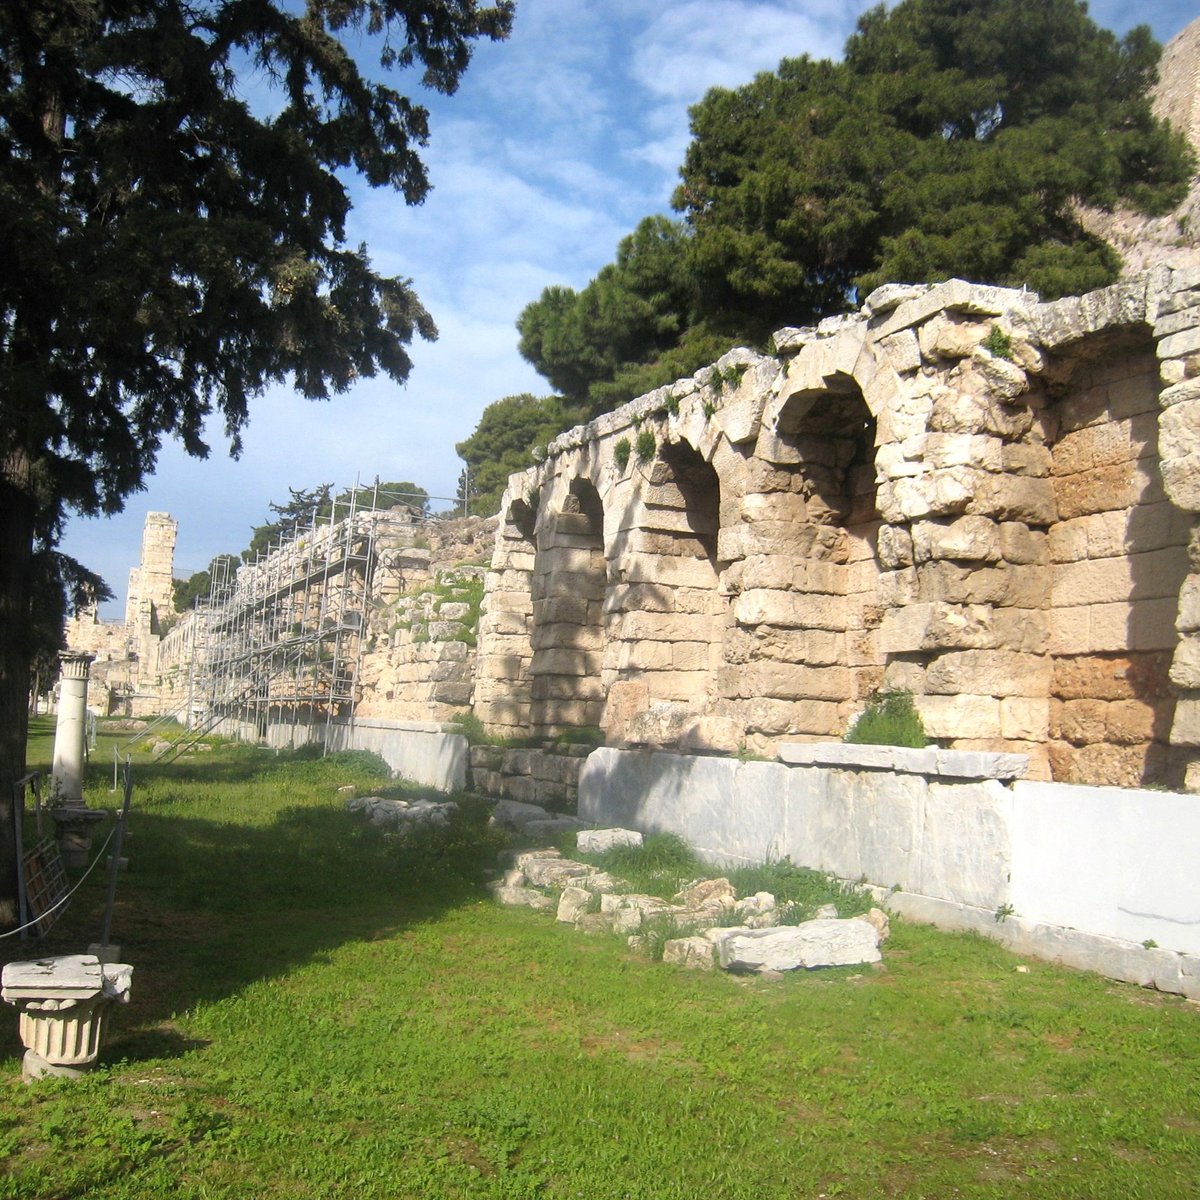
(1116,559)
(567,639)
(802,651)
(503,698)
(666,617)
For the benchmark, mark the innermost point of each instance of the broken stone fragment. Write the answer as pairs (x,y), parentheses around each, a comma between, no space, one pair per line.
(820,943)
(691,953)
(706,892)
(573,904)
(597,841)
(523,897)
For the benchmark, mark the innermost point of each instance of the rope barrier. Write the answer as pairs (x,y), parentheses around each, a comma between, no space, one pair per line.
(58,904)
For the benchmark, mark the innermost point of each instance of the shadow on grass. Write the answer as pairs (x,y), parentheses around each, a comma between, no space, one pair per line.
(209,907)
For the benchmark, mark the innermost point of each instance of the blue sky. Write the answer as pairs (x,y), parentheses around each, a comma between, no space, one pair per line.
(556,144)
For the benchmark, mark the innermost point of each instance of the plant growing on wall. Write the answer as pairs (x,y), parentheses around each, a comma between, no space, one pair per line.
(621,452)
(889,719)
(647,447)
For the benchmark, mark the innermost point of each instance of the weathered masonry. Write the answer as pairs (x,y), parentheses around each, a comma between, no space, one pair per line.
(961,491)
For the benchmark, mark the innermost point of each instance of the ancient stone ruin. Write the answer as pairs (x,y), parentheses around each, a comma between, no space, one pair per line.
(959,491)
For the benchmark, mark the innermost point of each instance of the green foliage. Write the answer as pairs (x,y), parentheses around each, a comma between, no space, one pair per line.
(173,249)
(621,451)
(646,447)
(504,440)
(188,592)
(997,343)
(954,139)
(889,719)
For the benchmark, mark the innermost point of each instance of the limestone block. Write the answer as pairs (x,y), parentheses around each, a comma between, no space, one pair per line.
(1146,625)
(821,943)
(1188,618)
(669,572)
(573,904)
(1185,665)
(562,610)
(943,337)
(1016,498)
(587,585)
(1020,629)
(1025,458)
(691,953)
(937,493)
(903,350)
(956,295)
(1021,545)
(1121,487)
(712,734)
(895,547)
(1181,480)
(689,656)
(1175,345)
(934,626)
(524,897)
(597,841)
(1061,322)
(1185,729)
(963,450)
(1024,718)
(898,588)
(633,597)
(1078,721)
(969,538)
(959,716)
(1180,393)
(1004,380)
(1112,676)
(564,662)
(664,627)
(1002,585)
(888,297)
(813,718)
(784,681)
(989,672)
(1134,722)
(511,602)
(1154,575)
(813,575)
(776,506)
(773,571)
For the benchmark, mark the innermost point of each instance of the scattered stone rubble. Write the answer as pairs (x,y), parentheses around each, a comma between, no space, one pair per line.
(715,926)
(402,814)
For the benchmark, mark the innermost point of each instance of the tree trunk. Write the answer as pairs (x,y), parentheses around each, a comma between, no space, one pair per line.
(16,547)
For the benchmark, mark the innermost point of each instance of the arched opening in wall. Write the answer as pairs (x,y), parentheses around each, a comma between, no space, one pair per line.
(804,653)
(1116,559)
(502,696)
(568,614)
(667,618)
(832,435)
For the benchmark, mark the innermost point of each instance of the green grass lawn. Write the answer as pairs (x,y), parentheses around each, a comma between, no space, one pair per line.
(320,1011)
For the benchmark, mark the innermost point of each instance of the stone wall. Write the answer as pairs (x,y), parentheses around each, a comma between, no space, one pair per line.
(1096,878)
(959,491)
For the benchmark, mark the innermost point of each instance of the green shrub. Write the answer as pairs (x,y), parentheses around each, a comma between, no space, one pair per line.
(890,719)
(647,447)
(621,452)
(997,343)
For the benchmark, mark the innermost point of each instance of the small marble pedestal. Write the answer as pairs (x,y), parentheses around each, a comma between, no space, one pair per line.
(63,1001)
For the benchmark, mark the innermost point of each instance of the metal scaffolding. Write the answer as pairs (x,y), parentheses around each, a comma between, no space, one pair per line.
(279,640)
